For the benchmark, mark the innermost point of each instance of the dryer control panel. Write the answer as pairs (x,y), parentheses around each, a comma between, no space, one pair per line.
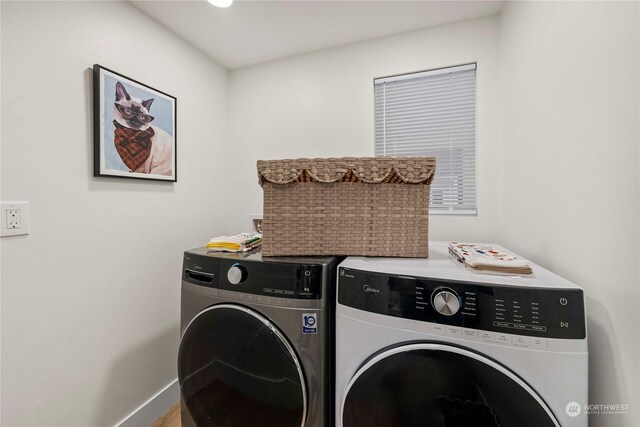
(539,312)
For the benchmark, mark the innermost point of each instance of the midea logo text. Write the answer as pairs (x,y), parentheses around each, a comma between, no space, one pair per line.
(368,288)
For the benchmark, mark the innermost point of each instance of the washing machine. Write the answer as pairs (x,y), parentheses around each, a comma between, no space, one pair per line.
(426,342)
(256,342)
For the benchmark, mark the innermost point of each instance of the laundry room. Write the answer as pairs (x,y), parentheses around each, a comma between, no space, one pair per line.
(173,123)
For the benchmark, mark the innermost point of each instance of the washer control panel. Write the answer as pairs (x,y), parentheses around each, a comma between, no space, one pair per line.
(237,274)
(252,275)
(528,311)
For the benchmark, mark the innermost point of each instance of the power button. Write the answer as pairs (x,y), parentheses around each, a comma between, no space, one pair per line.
(563,301)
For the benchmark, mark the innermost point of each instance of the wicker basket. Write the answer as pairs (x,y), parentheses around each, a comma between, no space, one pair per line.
(375,206)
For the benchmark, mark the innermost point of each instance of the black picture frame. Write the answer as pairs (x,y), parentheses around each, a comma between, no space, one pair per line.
(134,129)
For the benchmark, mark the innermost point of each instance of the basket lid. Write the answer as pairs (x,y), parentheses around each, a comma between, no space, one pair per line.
(371,170)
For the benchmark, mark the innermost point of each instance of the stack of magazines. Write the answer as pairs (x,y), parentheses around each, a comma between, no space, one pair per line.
(488,258)
(242,242)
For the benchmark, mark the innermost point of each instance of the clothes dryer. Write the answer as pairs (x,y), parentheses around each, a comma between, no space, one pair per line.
(256,344)
(428,342)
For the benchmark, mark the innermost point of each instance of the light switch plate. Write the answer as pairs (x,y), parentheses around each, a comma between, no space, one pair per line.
(14,219)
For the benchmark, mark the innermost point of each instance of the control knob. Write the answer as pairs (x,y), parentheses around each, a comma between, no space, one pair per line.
(236,274)
(446,302)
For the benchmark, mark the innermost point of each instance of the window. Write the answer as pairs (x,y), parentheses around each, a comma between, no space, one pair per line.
(433,113)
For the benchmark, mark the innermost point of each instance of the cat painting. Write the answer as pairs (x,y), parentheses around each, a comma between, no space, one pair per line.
(143,148)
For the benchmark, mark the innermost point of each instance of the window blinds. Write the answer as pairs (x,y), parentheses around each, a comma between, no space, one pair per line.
(433,113)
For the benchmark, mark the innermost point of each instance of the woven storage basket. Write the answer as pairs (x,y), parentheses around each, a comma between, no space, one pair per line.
(369,206)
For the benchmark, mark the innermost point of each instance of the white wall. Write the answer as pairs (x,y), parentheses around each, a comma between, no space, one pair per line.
(90,299)
(321,105)
(570,114)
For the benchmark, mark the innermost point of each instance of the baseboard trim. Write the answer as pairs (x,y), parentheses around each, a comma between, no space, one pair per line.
(153,408)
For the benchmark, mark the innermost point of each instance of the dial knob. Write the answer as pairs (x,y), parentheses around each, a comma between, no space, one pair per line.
(446,302)
(236,274)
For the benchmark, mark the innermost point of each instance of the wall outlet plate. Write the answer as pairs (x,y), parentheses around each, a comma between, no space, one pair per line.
(256,222)
(14,219)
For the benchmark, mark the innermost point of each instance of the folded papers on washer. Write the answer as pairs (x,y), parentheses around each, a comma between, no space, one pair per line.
(488,258)
(242,242)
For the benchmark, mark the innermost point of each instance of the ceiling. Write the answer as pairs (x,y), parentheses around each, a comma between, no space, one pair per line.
(251,32)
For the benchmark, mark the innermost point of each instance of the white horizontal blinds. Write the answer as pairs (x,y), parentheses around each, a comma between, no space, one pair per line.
(433,113)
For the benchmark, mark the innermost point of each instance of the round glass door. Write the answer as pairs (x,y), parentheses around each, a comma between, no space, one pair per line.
(236,368)
(440,386)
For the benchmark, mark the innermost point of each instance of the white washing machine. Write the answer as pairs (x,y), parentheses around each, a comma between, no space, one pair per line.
(428,343)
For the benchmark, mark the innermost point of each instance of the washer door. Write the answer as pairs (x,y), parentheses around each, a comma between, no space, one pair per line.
(236,368)
(438,385)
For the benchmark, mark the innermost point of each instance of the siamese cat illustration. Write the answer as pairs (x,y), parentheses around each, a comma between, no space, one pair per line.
(142,147)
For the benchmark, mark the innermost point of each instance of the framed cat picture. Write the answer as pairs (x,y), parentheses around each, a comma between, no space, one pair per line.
(134,129)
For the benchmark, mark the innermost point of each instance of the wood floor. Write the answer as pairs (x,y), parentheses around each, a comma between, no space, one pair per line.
(170,419)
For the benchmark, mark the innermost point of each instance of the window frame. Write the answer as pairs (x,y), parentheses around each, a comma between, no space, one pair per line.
(439,209)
